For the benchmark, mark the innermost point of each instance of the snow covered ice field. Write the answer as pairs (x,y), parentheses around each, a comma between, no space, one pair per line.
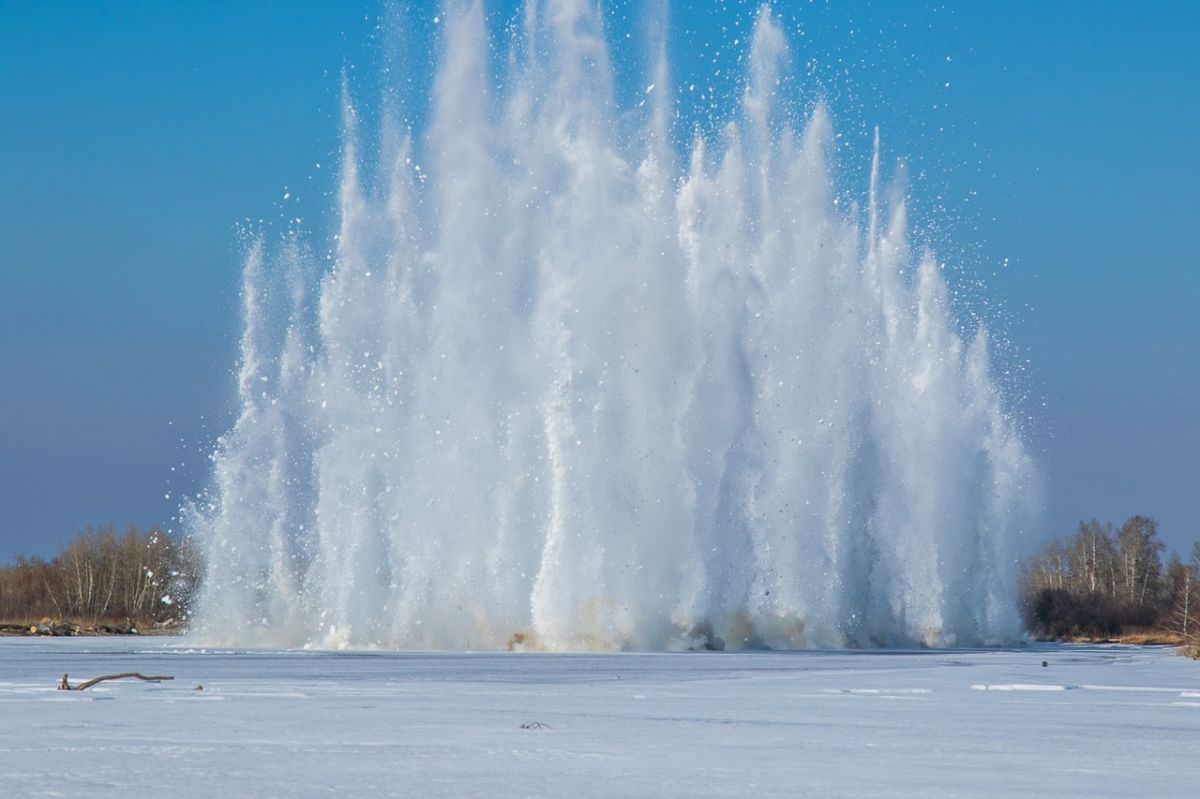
(1099,721)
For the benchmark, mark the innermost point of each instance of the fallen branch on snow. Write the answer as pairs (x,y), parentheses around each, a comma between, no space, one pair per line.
(83,686)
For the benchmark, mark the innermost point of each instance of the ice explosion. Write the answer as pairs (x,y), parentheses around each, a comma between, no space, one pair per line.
(563,388)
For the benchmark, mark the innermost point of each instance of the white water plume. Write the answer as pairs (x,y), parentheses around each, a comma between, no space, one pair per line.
(565,389)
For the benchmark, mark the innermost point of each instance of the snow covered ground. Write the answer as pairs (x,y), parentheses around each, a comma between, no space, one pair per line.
(1098,721)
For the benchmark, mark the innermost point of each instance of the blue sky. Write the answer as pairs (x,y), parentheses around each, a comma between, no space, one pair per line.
(1052,160)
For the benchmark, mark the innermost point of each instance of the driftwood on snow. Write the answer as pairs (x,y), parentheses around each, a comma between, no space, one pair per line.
(83,686)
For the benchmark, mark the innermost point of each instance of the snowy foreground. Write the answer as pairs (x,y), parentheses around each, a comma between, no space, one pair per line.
(1100,721)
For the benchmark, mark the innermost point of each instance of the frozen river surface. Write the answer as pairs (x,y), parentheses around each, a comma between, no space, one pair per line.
(1097,721)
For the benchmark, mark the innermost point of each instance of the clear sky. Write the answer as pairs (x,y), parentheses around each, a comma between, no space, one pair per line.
(1052,160)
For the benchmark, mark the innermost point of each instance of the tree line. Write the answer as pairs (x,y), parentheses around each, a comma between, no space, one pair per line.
(143,576)
(1104,581)
(1099,583)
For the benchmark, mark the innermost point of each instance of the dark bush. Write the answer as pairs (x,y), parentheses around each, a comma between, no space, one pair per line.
(1058,613)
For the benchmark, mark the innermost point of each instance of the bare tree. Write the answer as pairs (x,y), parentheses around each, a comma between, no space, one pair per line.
(1092,558)
(1184,582)
(1141,567)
